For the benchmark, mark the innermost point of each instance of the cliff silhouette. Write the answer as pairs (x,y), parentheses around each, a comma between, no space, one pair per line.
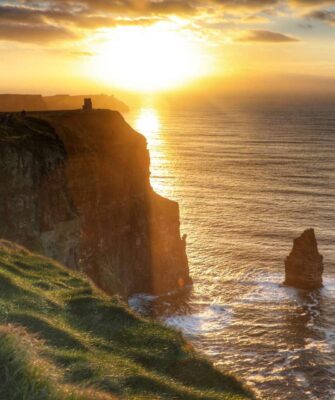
(19,102)
(67,102)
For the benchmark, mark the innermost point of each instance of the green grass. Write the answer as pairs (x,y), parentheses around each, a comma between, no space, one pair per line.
(61,338)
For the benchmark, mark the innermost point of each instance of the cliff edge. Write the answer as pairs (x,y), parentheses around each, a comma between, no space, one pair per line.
(75,186)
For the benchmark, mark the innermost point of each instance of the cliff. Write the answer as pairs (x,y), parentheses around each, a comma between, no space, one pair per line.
(19,102)
(75,186)
(63,339)
(67,102)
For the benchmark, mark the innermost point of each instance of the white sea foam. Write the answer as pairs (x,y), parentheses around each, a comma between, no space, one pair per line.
(211,319)
(268,289)
(329,286)
(140,302)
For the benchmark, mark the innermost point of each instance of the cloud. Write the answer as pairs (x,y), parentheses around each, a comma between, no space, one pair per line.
(264,36)
(145,7)
(78,16)
(25,23)
(26,15)
(100,7)
(323,15)
(247,4)
(52,20)
(311,3)
(56,20)
(34,33)
(258,19)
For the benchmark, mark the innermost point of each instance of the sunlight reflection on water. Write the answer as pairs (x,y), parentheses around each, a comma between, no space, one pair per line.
(148,123)
(248,182)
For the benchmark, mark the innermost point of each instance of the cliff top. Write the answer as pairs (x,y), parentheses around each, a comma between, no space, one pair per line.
(60,101)
(69,125)
(61,338)
(59,113)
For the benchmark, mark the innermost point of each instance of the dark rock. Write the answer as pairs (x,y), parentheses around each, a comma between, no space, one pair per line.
(75,186)
(304,265)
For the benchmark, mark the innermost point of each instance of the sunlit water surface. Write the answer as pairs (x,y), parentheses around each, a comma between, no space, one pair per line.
(249,180)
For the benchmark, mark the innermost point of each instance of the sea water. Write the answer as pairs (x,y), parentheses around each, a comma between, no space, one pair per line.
(249,178)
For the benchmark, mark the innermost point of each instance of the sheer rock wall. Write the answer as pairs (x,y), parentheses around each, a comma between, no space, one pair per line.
(75,186)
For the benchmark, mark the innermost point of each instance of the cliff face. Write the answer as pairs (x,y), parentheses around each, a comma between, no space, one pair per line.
(75,186)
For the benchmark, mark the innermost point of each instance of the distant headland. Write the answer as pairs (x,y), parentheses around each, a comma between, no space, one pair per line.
(37,102)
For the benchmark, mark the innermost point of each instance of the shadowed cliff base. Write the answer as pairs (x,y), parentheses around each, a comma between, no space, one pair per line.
(75,186)
(61,338)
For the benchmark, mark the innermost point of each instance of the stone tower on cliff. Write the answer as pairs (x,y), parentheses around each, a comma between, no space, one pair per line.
(88,105)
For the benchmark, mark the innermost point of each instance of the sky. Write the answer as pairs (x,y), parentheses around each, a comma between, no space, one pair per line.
(72,46)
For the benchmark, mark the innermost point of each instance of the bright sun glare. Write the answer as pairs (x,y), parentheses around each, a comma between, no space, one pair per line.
(148,59)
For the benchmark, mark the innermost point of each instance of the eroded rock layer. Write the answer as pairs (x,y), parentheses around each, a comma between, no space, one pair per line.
(75,186)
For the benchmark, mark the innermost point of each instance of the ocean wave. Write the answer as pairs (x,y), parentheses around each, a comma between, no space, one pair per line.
(212,319)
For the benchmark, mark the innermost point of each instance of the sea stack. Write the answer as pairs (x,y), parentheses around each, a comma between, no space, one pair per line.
(304,265)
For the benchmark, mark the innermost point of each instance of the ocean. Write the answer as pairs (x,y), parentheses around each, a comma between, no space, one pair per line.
(249,178)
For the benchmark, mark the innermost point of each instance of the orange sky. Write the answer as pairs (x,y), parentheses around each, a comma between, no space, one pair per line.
(148,46)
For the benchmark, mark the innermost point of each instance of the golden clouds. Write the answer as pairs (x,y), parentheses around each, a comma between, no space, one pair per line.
(264,36)
(66,20)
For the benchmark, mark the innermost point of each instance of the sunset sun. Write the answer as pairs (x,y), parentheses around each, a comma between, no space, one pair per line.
(148,59)
(167,195)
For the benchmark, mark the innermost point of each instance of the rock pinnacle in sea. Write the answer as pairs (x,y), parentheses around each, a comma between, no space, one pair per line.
(304,265)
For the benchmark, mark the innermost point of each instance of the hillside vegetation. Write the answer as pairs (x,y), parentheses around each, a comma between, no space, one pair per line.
(61,338)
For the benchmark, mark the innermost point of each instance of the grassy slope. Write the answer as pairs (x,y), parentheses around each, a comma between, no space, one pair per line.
(61,338)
